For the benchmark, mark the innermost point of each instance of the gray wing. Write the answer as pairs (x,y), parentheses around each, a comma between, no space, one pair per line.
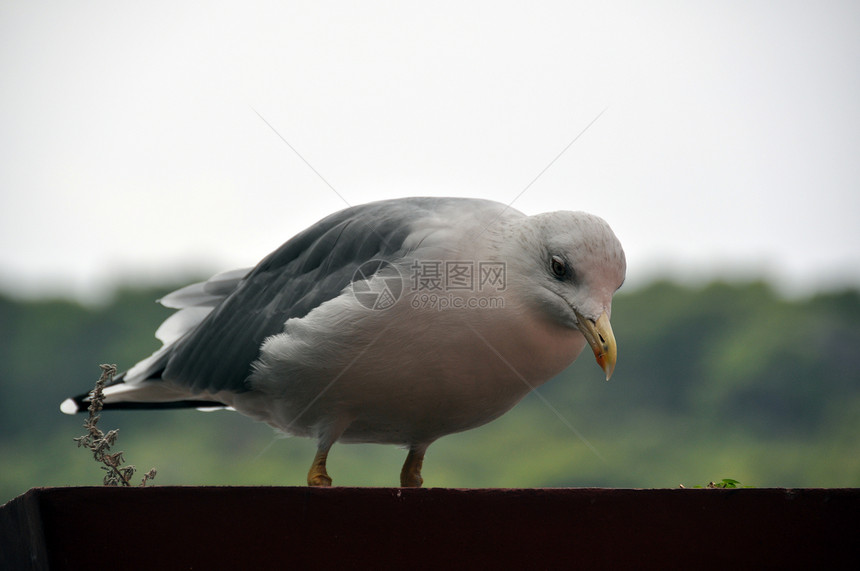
(309,269)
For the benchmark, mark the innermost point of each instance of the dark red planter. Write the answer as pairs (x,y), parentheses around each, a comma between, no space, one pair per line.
(393,528)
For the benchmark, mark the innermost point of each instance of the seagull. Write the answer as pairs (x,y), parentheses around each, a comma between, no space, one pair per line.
(394,322)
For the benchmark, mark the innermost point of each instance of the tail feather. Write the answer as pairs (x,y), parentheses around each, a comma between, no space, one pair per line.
(141,386)
(145,395)
(81,403)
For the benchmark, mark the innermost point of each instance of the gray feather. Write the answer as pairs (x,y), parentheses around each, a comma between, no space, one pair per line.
(308,270)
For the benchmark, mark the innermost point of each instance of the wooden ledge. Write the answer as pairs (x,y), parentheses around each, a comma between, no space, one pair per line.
(394,528)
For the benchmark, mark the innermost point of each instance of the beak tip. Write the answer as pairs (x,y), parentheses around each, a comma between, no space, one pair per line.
(608,370)
(606,364)
(599,335)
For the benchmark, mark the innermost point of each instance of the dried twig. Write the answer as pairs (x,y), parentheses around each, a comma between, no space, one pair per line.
(100,443)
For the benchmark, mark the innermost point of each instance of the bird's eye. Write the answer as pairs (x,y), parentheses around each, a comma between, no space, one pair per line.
(558,267)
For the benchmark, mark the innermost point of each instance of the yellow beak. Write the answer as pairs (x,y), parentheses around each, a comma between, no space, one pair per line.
(599,335)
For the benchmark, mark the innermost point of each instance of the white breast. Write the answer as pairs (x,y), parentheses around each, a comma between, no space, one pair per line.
(417,373)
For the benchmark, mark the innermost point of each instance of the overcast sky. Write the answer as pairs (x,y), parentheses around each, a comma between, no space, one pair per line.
(132,149)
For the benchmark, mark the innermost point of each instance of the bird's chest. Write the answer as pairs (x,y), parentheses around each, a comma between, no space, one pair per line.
(409,374)
(489,357)
(451,374)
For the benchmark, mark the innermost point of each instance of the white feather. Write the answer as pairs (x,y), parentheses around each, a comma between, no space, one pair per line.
(181,323)
(69,406)
(194,302)
(208,293)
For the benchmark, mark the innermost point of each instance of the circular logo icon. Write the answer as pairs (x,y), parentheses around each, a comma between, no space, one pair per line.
(377,284)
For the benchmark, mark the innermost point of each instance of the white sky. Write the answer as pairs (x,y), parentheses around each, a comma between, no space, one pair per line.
(130,148)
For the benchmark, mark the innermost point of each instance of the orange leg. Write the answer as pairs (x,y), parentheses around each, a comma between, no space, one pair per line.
(410,475)
(317,475)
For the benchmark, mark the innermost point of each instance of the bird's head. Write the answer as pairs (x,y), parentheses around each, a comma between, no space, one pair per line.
(575,264)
